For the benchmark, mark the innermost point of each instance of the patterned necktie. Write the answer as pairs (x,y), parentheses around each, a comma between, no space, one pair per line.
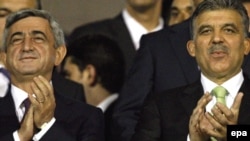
(220,93)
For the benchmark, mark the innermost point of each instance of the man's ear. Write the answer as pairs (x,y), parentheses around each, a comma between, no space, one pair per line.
(191,48)
(90,75)
(247,46)
(3,58)
(60,54)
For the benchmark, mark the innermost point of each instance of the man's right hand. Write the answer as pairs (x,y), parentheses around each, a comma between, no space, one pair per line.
(27,129)
(197,118)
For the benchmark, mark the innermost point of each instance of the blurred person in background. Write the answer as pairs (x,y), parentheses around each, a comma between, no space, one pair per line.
(180,10)
(96,62)
(138,17)
(246,4)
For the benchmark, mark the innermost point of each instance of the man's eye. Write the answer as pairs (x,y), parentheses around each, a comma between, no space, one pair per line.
(16,41)
(205,31)
(38,39)
(4,14)
(228,30)
(174,14)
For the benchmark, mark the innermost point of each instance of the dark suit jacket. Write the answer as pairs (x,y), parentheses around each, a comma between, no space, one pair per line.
(67,87)
(166,118)
(108,118)
(161,63)
(75,121)
(114,28)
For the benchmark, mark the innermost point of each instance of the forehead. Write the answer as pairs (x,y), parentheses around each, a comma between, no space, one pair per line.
(218,17)
(30,24)
(15,5)
(182,3)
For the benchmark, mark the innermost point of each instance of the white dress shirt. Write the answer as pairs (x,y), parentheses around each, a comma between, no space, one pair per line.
(232,85)
(19,96)
(106,102)
(4,83)
(136,30)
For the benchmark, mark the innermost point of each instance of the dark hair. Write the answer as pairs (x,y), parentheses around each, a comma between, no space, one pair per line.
(245,1)
(104,54)
(209,5)
(19,15)
(39,4)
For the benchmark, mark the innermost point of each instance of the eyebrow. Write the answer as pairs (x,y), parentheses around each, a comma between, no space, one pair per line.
(202,27)
(16,33)
(5,9)
(223,26)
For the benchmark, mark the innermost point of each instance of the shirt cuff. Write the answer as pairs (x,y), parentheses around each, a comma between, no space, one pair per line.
(188,138)
(45,127)
(16,137)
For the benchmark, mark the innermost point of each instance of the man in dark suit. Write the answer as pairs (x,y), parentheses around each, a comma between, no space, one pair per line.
(33,45)
(161,63)
(61,84)
(219,44)
(137,18)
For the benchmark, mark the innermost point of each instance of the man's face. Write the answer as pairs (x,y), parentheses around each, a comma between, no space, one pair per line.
(72,71)
(180,11)
(219,43)
(30,48)
(9,6)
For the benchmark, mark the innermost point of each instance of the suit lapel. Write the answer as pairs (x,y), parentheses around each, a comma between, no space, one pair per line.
(8,119)
(121,33)
(244,113)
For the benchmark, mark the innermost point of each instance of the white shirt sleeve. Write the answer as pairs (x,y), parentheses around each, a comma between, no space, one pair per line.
(40,134)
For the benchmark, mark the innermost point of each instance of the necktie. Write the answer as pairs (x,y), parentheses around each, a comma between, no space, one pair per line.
(220,94)
(26,104)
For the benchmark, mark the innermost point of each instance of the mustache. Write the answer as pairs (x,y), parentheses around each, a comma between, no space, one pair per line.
(218,47)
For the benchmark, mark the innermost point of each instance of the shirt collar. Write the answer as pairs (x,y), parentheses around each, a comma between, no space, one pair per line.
(232,85)
(106,102)
(136,30)
(18,95)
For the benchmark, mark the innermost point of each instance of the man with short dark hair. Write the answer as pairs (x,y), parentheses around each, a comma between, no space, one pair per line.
(195,111)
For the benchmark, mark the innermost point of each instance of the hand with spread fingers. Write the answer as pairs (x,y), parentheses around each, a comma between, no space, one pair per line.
(221,117)
(195,133)
(43,102)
